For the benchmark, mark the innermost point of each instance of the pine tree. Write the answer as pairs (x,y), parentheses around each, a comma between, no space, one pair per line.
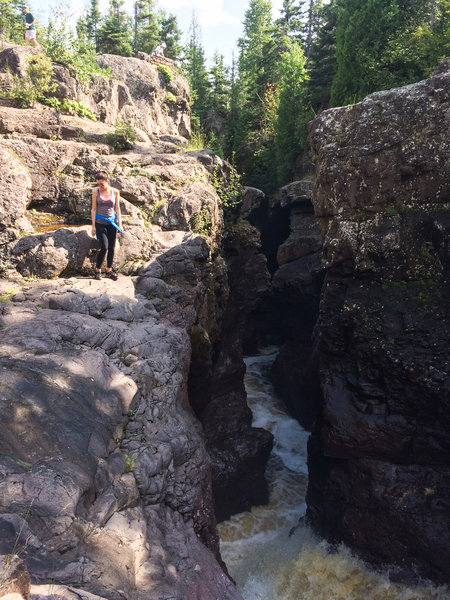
(258,68)
(195,70)
(218,103)
(146,27)
(219,85)
(231,121)
(115,35)
(88,24)
(290,21)
(398,44)
(363,30)
(171,34)
(322,59)
(257,65)
(420,41)
(11,21)
(312,19)
(293,113)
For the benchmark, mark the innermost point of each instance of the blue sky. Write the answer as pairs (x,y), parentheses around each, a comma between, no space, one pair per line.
(220,20)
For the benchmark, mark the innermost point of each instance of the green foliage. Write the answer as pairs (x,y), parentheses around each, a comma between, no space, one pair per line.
(229,190)
(195,71)
(6,297)
(390,211)
(170,98)
(88,24)
(322,63)
(146,26)
(171,34)
(167,72)
(290,21)
(197,141)
(402,42)
(215,145)
(123,137)
(70,106)
(219,86)
(31,88)
(257,68)
(11,22)
(76,52)
(129,463)
(293,113)
(115,33)
(201,222)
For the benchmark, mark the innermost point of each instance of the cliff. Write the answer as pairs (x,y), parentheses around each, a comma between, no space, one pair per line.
(106,483)
(379,452)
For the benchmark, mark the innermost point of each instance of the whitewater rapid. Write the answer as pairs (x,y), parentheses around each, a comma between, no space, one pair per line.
(269,552)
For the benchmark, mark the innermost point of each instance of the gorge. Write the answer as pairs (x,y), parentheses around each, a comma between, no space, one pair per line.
(125,434)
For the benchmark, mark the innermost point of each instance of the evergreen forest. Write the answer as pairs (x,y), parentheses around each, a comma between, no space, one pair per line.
(317,54)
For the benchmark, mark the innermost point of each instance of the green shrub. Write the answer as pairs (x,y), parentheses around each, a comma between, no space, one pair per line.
(6,297)
(31,88)
(70,106)
(74,51)
(201,222)
(197,141)
(228,189)
(123,138)
(170,98)
(167,72)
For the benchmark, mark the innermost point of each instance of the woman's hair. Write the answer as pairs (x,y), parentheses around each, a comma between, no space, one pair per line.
(102,176)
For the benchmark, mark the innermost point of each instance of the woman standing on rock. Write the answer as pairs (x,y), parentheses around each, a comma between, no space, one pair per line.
(106,222)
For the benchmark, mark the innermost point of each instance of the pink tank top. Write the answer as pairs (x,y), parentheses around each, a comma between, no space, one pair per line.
(105,206)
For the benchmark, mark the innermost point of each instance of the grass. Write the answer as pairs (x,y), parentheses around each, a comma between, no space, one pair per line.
(6,297)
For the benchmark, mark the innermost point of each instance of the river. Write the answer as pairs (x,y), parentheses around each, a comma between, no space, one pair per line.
(267,553)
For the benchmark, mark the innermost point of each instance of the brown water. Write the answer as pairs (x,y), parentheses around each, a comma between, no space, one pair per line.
(45,222)
(267,562)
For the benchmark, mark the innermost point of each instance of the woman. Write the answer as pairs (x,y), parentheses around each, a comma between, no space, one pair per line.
(106,222)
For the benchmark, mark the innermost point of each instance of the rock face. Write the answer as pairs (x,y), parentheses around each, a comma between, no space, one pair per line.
(136,92)
(105,477)
(238,452)
(379,474)
(297,286)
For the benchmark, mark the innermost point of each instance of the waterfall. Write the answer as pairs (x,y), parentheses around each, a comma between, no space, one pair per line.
(267,554)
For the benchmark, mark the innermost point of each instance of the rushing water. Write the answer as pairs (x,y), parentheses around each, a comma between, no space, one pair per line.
(264,556)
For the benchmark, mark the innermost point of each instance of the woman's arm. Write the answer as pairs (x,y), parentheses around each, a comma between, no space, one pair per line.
(117,209)
(93,209)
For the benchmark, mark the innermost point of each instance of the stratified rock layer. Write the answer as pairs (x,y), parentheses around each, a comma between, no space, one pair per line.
(379,457)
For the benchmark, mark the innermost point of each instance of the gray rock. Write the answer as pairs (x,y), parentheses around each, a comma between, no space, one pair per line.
(14,577)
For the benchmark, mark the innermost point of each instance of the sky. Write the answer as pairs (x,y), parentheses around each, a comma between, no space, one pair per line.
(220,20)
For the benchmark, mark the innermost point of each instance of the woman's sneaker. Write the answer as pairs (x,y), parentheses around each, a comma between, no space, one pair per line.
(97,275)
(111,275)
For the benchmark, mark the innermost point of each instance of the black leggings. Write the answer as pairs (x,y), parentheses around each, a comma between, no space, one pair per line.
(106,235)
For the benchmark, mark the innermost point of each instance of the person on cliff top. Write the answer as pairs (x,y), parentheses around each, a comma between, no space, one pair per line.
(159,50)
(30,29)
(106,222)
